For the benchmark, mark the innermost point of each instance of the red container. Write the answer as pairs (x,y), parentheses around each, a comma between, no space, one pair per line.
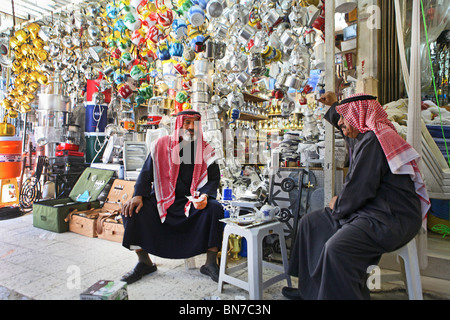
(92,87)
(67,146)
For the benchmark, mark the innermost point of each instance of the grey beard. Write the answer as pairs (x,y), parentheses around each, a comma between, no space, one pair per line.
(187,137)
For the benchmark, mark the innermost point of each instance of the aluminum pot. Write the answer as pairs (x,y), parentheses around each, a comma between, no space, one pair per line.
(200,97)
(200,106)
(235,99)
(210,49)
(293,81)
(200,86)
(280,80)
(242,78)
(245,34)
(213,124)
(221,31)
(238,62)
(271,17)
(255,64)
(214,8)
(201,68)
(319,54)
(287,39)
(221,48)
(54,102)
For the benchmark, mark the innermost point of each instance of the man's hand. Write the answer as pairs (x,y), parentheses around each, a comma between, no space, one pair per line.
(132,204)
(201,204)
(332,202)
(328,98)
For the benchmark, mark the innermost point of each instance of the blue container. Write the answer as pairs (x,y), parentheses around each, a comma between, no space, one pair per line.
(436,131)
(440,208)
(96,117)
(243,252)
(227,194)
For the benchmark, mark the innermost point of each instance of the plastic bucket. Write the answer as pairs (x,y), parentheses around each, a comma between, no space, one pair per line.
(96,117)
(10,157)
(94,146)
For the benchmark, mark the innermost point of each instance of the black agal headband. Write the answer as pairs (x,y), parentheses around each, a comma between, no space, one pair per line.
(358,98)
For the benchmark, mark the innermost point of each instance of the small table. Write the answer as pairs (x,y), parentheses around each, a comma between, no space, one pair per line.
(254,236)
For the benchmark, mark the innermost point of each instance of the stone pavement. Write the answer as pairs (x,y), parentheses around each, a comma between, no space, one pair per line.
(36,264)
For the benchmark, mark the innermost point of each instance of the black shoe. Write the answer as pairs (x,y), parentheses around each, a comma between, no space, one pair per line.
(140,270)
(291,293)
(211,270)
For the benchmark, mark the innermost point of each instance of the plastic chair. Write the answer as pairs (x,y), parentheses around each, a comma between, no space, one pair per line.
(255,263)
(410,270)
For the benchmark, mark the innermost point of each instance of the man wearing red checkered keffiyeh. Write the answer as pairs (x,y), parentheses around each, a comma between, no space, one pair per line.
(173,213)
(381,207)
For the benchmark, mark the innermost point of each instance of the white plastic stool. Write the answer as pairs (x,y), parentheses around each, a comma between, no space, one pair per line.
(411,267)
(254,237)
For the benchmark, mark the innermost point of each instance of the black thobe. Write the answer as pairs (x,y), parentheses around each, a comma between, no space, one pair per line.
(178,237)
(376,212)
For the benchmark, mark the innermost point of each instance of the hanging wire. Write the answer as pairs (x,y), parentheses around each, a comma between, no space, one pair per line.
(434,80)
(438,228)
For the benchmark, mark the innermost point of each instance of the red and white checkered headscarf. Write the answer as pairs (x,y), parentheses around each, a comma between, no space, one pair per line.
(165,153)
(368,115)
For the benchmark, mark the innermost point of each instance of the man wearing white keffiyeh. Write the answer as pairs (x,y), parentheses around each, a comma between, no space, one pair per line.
(173,213)
(380,208)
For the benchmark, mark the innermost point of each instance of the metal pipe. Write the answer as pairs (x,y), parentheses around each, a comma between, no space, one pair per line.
(329,161)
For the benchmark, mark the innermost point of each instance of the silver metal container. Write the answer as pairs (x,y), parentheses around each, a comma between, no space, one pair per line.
(271,17)
(242,78)
(201,68)
(214,8)
(256,64)
(200,97)
(246,33)
(213,124)
(200,106)
(54,102)
(199,85)
(221,31)
(287,39)
(293,81)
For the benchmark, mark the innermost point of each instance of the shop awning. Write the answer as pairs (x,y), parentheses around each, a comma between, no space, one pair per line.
(31,10)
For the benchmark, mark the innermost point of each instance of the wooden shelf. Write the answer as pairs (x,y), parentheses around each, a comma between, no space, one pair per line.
(249,117)
(251,97)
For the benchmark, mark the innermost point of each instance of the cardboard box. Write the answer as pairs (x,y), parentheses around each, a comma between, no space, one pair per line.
(109,222)
(51,214)
(348,45)
(106,290)
(84,222)
(110,227)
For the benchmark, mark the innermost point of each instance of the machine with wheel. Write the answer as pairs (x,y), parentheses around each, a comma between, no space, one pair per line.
(291,189)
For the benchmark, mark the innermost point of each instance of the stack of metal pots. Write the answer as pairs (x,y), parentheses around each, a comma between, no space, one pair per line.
(51,116)
(200,97)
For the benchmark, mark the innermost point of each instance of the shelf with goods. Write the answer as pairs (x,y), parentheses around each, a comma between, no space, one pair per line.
(249,143)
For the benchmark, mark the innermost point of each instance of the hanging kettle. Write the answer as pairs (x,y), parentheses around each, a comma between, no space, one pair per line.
(176,49)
